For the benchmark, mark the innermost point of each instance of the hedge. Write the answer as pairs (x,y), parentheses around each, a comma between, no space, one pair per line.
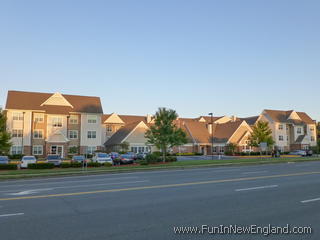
(40,165)
(8,167)
(71,165)
(94,164)
(107,164)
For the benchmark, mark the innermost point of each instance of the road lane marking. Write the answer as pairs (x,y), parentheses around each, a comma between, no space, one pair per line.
(255,188)
(11,214)
(161,186)
(310,200)
(254,172)
(27,192)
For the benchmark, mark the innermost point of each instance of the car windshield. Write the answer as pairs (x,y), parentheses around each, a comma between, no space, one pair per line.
(78,158)
(53,157)
(3,158)
(102,155)
(28,158)
(126,156)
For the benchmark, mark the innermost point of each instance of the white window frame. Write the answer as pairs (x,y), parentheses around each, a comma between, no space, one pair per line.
(299,130)
(109,128)
(17,116)
(74,119)
(92,119)
(40,132)
(57,122)
(90,134)
(90,149)
(39,117)
(281,138)
(17,133)
(16,150)
(37,150)
(72,136)
(312,138)
(280,127)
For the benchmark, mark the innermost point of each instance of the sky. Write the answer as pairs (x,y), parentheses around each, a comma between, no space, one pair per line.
(228,57)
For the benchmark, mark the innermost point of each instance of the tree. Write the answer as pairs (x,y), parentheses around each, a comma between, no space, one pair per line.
(231,148)
(5,137)
(261,133)
(164,133)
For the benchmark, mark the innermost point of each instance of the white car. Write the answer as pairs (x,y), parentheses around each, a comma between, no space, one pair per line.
(26,160)
(301,153)
(102,158)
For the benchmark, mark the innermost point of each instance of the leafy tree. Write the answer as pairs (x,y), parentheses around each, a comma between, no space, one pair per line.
(231,148)
(261,133)
(164,133)
(74,150)
(5,137)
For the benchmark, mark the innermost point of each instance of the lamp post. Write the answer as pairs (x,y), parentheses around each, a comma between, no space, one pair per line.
(211,114)
(22,148)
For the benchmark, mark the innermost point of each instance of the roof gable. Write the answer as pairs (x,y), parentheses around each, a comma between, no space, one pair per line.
(113,118)
(57,100)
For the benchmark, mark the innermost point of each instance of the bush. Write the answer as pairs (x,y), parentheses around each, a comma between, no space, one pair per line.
(171,159)
(65,165)
(153,158)
(8,166)
(143,162)
(16,156)
(76,164)
(107,164)
(40,165)
(94,164)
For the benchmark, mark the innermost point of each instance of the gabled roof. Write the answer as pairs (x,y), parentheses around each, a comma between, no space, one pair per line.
(250,120)
(198,131)
(36,101)
(223,132)
(284,116)
(123,133)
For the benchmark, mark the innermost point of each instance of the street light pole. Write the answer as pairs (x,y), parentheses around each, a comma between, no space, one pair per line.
(211,114)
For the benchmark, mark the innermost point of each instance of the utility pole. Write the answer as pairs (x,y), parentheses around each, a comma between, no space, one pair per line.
(211,114)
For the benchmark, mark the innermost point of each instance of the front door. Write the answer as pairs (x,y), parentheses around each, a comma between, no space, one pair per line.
(57,149)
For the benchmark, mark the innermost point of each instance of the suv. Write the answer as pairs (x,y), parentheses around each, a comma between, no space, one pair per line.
(301,153)
(54,158)
(78,158)
(4,160)
(102,158)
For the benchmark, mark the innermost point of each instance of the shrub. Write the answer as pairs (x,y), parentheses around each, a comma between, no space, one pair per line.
(171,159)
(107,164)
(65,165)
(16,156)
(153,158)
(8,166)
(143,162)
(94,164)
(76,164)
(40,165)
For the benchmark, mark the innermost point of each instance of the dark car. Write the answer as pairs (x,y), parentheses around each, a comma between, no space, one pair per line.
(78,158)
(4,160)
(55,159)
(126,158)
(309,153)
(114,155)
(132,154)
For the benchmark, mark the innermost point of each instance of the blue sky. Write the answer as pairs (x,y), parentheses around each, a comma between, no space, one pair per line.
(227,57)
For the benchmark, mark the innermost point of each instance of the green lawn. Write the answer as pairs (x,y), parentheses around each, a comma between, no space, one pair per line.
(25,173)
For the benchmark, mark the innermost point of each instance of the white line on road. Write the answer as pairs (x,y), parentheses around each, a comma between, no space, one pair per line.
(255,188)
(32,191)
(11,214)
(310,200)
(254,172)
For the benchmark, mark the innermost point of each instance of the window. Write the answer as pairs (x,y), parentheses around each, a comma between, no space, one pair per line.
(280,127)
(17,116)
(91,150)
(311,129)
(37,150)
(92,134)
(38,133)
(141,149)
(134,149)
(16,150)
(287,138)
(214,149)
(73,119)
(299,130)
(39,117)
(17,133)
(57,122)
(221,149)
(109,128)
(73,134)
(92,119)
(312,139)
(281,138)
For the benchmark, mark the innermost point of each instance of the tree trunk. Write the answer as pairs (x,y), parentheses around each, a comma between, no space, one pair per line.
(164,151)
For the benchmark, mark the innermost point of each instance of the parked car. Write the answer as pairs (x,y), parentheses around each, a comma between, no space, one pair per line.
(102,158)
(55,159)
(126,158)
(78,158)
(133,155)
(141,156)
(114,155)
(4,160)
(309,152)
(26,160)
(301,153)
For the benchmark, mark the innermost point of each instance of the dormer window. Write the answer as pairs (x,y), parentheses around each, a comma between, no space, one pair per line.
(299,130)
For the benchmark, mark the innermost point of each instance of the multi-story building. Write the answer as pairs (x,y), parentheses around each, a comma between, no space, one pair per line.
(291,130)
(46,123)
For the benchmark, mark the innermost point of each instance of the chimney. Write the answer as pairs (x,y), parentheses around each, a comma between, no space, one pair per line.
(149,118)
(210,128)
(233,118)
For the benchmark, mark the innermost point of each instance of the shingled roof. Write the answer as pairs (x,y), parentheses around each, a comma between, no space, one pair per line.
(283,116)
(121,134)
(33,100)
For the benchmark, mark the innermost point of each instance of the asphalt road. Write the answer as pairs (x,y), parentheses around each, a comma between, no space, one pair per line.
(148,205)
